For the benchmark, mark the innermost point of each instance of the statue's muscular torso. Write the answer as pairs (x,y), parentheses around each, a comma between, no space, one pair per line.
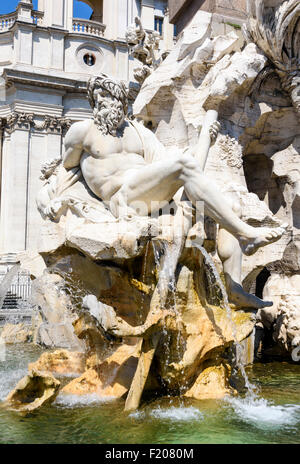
(103,159)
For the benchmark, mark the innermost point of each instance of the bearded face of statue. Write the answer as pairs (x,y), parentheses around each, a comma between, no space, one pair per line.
(109,112)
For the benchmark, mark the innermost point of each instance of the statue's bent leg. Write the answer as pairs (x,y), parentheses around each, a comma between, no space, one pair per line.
(156,182)
(200,187)
(160,180)
(230,254)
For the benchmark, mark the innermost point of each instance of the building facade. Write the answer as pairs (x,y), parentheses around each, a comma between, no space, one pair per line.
(227,14)
(46,58)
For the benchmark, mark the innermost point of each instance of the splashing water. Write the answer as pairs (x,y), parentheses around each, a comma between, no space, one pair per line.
(263,413)
(173,414)
(234,420)
(9,379)
(143,280)
(71,401)
(177,413)
(251,389)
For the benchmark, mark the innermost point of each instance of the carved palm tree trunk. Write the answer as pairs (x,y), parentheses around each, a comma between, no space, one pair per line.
(276,31)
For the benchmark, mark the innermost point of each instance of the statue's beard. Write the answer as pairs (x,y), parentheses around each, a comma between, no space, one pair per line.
(108,116)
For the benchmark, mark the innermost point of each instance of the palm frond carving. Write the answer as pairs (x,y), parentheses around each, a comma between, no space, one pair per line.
(276,31)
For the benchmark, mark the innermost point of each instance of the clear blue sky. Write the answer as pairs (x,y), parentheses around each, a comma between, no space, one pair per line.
(81,10)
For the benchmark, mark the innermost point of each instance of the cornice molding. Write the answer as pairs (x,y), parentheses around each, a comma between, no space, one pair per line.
(26,121)
(45,80)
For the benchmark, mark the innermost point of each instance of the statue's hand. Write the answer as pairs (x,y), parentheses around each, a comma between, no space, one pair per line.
(214,131)
(54,208)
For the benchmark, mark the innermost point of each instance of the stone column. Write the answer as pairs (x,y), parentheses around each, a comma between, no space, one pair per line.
(57,13)
(58,17)
(14,199)
(168,32)
(57,48)
(110,18)
(45,145)
(147,14)
(24,32)
(121,62)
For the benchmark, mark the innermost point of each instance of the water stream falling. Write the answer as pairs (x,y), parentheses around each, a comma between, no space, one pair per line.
(251,389)
(167,283)
(143,280)
(166,267)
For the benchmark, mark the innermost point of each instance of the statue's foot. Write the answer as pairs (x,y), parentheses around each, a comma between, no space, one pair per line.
(262,236)
(242,299)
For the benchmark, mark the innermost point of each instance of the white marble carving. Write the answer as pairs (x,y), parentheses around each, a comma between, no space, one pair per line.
(115,171)
(143,45)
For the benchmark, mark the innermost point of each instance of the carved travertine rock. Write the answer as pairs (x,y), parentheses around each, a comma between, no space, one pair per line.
(60,362)
(201,331)
(284,318)
(257,149)
(143,45)
(110,378)
(287,326)
(32,392)
(274,29)
(211,383)
(53,316)
(16,333)
(97,235)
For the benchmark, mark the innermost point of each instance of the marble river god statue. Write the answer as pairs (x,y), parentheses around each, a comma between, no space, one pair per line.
(112,153)
(123,163)
(104,199)
(137,282)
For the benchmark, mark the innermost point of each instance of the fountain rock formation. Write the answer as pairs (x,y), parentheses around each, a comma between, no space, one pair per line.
(130,217)
(16,333)
(32,392)
(256,156)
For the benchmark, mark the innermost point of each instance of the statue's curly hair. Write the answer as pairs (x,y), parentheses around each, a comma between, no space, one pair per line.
(117,89)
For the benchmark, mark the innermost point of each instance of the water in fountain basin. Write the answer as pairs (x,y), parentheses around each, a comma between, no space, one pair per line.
(275,418)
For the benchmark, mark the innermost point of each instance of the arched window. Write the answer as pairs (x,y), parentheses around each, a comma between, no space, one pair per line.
(82,9)
(89,9)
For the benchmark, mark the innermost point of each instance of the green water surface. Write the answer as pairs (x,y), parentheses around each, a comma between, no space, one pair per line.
(272,418)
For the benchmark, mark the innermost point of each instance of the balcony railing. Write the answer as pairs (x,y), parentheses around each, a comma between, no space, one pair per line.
(80,26)
(8,20)
(37,17)
(84,26)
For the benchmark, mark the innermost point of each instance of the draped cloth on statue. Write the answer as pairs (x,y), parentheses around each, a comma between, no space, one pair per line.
(154,150)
